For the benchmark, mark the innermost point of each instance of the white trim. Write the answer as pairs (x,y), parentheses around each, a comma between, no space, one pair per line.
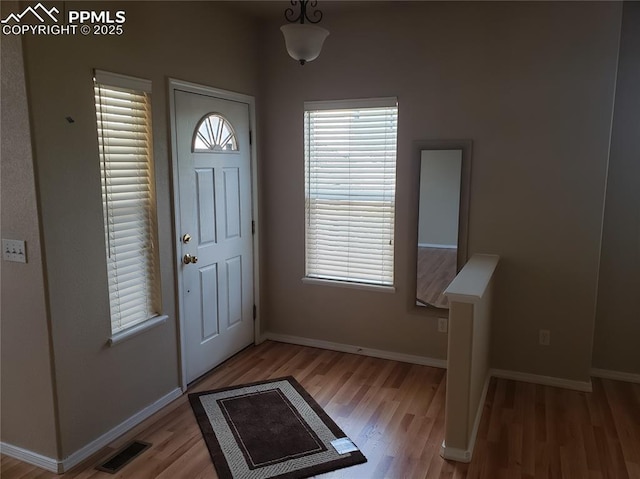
(137,329)
(584,386)
(615,375)
(122,81)
(471,283)
(425,361)
(125,426)
(256,219)
(455,454)
(476,423)
(462,298)
(182,365)
(348,284)
(181,85)
(384,102)
(440,246)
(175,84)
(348,348)
(60,466)
(31,457)
(460,455)
(605,190)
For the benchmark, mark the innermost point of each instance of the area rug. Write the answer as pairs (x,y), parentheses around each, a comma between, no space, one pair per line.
(270,429)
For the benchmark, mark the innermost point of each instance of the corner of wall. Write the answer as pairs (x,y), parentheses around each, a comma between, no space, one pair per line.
(28,398)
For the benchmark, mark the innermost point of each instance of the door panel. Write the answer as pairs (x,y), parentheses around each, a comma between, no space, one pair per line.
(209,286)
(215,210)
(234,290)
(232,202)
(206,206)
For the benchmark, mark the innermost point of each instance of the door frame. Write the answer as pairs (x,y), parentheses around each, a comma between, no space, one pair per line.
(174,85)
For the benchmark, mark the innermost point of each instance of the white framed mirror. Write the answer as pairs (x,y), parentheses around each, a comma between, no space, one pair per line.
(443,209)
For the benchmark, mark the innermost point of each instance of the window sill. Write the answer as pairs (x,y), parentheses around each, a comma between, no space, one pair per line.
(137,329)
(345,284)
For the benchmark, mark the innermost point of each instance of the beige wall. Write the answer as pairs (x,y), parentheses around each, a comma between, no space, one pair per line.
(618,314)
(101,386)
(439,207)
(532,85)
(28,410)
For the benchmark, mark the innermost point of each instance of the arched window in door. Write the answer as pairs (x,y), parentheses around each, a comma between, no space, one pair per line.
(214,133)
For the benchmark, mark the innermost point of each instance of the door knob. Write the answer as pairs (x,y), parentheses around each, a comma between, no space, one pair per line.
(189,259)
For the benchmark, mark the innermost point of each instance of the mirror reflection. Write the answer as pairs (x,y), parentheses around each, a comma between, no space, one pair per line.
(439,215)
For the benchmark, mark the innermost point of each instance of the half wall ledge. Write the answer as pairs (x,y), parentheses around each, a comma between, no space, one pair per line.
(468,369)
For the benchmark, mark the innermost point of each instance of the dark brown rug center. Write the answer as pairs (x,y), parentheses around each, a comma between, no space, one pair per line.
(270,429)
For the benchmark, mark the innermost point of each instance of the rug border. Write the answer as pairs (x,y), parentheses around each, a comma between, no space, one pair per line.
(217,456)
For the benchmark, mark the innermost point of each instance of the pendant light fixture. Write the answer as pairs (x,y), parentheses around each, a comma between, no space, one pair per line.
(303,40)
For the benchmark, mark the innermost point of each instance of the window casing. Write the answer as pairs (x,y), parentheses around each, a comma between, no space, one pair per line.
(123,114)
(350,178)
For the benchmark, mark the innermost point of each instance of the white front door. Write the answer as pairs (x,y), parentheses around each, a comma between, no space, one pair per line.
(214,181)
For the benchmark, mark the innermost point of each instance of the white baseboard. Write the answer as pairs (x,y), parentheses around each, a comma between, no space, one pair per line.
(57,466)
(616,375)
(348,348)
(454,454)
(30,457)
(104,440)
(465,455)
(441,246)
(584,386)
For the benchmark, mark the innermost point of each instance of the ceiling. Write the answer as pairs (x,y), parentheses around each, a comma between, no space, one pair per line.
(271,9)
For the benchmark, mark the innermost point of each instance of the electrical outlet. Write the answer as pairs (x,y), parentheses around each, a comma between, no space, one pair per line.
(443,325)
(14,250)
(544,337)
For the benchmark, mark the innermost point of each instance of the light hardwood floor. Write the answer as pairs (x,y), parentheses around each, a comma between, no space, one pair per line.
(395,413)
(436,269)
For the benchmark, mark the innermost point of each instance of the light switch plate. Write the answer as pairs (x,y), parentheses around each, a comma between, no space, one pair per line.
(14,250)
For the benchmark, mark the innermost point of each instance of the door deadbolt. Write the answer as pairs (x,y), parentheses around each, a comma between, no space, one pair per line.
(189,259)
(186,238)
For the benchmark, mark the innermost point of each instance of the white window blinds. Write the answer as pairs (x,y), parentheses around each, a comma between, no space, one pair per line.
(123,112)
(350,178)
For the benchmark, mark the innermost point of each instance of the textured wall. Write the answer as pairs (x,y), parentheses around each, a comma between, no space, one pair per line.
(532,85)
(618,314)
(28,411)
(195,41)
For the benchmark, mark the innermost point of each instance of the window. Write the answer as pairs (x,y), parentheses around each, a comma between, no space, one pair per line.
(123,112)
(214,133)
(350,177)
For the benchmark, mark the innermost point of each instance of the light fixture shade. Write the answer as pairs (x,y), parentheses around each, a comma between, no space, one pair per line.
(303,41)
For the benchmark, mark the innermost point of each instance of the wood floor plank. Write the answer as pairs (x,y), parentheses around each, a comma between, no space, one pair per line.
(395,413)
